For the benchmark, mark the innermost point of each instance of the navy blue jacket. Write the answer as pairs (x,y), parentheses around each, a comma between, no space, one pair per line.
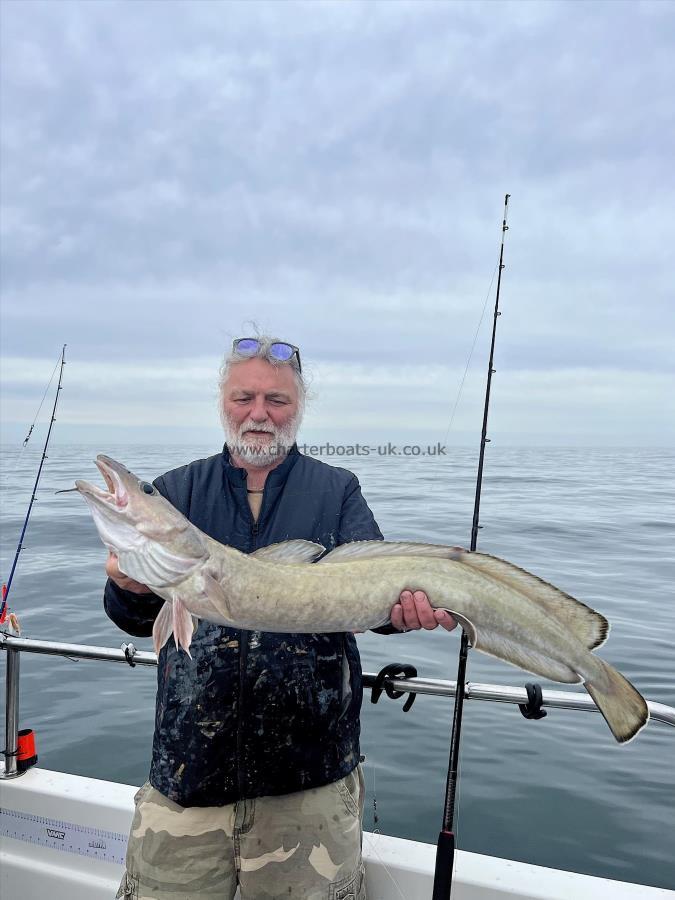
(254,713)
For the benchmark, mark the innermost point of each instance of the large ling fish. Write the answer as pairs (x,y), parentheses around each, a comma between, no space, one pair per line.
(506,612)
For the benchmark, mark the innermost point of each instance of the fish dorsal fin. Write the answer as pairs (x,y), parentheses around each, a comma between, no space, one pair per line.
(290,552)
(379,549)
(585,623)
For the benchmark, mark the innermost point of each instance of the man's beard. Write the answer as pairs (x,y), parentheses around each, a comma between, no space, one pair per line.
(260,452)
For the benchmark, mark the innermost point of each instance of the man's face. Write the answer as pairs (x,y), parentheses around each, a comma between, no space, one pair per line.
(260,411)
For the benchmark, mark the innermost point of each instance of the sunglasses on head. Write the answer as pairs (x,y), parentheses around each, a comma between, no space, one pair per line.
(279,350)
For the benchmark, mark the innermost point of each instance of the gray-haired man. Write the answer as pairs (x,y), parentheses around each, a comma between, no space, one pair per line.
(255,779)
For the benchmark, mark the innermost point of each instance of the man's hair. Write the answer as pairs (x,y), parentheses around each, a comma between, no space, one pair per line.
(232,358)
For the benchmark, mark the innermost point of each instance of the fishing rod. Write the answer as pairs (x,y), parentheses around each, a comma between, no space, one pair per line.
(6,587)
(445,849)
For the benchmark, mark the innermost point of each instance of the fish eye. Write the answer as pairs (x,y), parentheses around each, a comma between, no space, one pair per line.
(148,488)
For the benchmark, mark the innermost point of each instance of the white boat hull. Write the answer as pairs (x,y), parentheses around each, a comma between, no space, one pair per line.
(63,837)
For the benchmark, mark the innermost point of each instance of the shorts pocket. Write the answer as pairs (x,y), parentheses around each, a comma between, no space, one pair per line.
(128,889)
(142,792)
(351,888)
(349,789)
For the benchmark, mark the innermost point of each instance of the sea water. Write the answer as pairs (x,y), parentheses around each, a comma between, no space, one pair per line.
(599,524)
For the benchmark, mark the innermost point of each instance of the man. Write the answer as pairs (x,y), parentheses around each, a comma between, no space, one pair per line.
(255,778)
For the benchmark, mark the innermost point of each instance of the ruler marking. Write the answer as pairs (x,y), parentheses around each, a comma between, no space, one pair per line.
(68,837)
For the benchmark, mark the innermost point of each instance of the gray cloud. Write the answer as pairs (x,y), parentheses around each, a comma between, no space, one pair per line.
(338,171)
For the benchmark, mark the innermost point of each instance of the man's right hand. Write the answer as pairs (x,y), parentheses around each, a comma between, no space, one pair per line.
(112,570)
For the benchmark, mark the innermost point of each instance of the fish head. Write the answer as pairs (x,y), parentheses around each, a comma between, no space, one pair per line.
(154,542)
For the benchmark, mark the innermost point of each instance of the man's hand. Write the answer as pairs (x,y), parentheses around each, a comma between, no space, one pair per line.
(413,611)
(112,570)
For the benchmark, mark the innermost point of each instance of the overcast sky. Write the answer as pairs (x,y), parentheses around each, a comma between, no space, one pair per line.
(336,173)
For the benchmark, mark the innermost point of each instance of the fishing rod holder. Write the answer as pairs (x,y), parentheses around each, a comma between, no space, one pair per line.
(532,709)
(383,682)
(394,685)
(11,751)
(129,653)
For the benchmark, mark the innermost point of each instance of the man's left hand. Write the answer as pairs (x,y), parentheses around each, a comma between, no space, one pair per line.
(413,611)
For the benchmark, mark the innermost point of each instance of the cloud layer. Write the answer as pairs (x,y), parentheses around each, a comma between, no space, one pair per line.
(336,172)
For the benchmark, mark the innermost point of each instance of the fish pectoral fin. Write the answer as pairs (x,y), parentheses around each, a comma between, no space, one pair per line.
(290,552)
(161,630)
(379,549)
(212,588)
(183,625)
(173,617)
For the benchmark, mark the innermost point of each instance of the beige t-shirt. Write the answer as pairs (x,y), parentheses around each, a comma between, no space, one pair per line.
(255,502)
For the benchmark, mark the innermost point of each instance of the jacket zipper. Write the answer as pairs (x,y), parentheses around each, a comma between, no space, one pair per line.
(243,660)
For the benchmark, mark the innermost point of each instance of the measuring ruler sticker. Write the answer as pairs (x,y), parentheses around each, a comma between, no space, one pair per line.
(68,837)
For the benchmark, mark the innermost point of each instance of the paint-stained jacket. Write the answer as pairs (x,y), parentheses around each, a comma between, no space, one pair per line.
(254,713)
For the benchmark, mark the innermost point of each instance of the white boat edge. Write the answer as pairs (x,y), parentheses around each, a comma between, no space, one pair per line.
(52,845)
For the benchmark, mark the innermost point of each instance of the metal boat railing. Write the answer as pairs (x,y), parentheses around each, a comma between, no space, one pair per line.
(129,655)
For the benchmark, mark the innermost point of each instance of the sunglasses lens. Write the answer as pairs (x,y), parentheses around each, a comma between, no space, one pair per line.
(248,345)
(281,351)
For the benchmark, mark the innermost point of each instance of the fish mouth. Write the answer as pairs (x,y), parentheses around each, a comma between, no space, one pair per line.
(116,496)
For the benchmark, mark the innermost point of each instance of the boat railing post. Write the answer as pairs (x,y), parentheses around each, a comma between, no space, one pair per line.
(11,769)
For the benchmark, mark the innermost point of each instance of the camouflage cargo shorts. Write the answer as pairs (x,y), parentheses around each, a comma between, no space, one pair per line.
(304,846)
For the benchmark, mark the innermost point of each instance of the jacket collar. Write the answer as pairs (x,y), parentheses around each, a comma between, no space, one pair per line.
(276,478)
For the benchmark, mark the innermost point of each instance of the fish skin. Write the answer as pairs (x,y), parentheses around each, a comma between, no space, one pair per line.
(507,612)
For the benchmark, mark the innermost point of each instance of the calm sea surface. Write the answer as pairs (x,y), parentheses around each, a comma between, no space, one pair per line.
(558,792)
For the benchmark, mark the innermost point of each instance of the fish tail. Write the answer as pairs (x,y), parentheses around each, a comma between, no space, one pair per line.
(624,708)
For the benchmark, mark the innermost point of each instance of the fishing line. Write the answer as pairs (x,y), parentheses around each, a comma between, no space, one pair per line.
(6,587)
(473,347)
(376,817)
(30,430)
(371,767)
(373,848)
